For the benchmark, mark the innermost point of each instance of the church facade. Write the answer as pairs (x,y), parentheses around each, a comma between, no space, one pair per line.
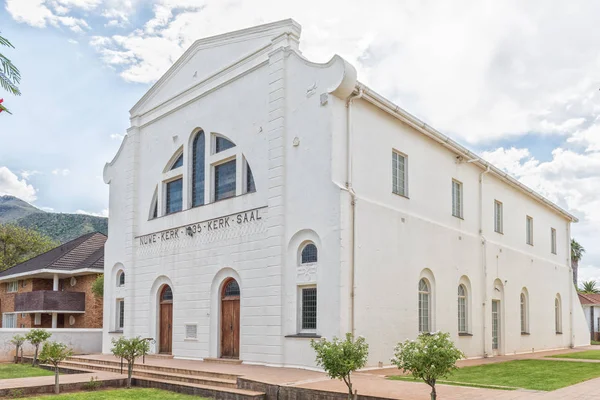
(260,200)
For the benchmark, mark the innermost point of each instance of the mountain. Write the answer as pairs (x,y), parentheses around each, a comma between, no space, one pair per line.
(58,226)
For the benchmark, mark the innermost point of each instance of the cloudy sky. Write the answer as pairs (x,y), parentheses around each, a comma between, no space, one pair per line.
(515,81)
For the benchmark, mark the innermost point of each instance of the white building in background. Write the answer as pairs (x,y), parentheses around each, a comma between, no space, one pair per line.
(260,200)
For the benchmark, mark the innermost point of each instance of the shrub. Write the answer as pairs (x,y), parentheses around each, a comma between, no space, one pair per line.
(37,337)
(339,358)
(98,286)
(18,341)
(431,357)
(16,393)
(92,385)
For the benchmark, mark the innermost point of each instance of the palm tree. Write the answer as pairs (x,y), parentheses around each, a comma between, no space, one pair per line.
(10,76)
(589,287)
(577,251)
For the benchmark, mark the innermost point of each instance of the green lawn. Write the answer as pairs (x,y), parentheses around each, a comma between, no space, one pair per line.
(581,355)
(526,374)
(121,394)
(595,343)
(8,371)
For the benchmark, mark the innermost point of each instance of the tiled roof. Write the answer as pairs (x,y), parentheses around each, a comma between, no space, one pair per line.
(587,298)
(86,251)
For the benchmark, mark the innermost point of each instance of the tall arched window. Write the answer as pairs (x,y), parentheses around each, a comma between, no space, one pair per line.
(424,306)
(198,169)
(462,309)
(557,315)
(524,314)
(309,254)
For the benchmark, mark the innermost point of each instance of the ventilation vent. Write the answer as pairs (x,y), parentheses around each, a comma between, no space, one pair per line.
(191,331)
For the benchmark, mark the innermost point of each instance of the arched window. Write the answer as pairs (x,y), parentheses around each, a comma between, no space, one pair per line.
(462,309)
(121,279)
(524,314)
(222,144)
(309,254)
(557,315)
(178,163)
(424,306)
(167,294)
(198,169)
(231,288)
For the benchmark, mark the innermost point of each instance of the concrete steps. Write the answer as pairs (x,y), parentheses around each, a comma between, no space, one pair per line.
(203,383)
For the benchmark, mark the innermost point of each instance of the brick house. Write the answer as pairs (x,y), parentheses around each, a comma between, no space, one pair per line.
(53,290)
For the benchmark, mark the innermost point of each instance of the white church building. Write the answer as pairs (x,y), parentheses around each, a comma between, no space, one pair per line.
(260,200)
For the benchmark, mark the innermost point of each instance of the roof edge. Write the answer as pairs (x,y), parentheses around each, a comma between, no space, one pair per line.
(387,105)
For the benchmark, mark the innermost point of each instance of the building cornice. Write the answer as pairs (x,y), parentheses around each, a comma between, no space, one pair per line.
(386,105)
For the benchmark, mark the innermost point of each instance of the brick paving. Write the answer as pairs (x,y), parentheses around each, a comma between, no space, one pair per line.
(49,380)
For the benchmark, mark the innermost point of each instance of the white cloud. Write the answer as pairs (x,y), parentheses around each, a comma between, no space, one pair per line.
(72,41)
(61,172)
(12,185)
(117,136)
(28,174)
(47,209)
(37,13)
(103,213)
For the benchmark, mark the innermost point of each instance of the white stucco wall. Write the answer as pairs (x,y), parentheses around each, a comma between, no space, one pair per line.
(81,341)
(288,119)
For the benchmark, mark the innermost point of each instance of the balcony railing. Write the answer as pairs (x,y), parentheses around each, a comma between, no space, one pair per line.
(50,301)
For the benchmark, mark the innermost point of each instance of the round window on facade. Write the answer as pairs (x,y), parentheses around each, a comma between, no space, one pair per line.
(71,320)
(73,281)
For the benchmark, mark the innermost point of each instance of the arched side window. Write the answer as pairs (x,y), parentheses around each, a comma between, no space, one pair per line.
(121,278)
(222,144)
(232,288)
(309,254)
(250,185)
(178,163)
(166,294)
(557,315)
(198,167)
(524,313)
(154,205)
(424,306)
(463,321)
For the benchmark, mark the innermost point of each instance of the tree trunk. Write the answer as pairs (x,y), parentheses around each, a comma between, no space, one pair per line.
(34,361)
(17,354)
(129,373)
(433,392)
(56,385)
(575,266)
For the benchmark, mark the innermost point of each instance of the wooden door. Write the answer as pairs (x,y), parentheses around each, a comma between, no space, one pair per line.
(230,320)
(166,321)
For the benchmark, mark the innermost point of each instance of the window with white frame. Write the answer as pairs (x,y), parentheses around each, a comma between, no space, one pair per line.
(557,315)
(174,198)
(121,279)
(529,230)
(120,314)
(9,320)
(37,320)
(524,314)
(309,254)
(307,309)
(12,287)
(498,217)
(457,199)
(399,174)
(225,180)
(553,240)
(462,309)
(424,306)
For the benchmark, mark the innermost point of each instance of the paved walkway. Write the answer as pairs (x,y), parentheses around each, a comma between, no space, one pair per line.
(49,380)
(374,382)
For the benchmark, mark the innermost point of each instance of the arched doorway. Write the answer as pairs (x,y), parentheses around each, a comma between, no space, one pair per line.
(230,319)
(165,320)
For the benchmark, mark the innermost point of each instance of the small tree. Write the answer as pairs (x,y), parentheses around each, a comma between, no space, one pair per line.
(431,357)
(37,337)
(54,353)
(130,349)
(339,358)
(98,286)
(18,341)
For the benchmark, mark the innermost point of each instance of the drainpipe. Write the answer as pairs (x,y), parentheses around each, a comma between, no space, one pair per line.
(569,264)
(55,288)
(350,190)
(483,261)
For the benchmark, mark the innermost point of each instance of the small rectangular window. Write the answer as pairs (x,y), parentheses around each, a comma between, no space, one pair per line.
(120,314)
(553,240)
(399,174)
(191,331)
(174,196)
(457,199)
(498,217)
(12,287)
(9,320)
(529,230)
(308,309)
(225,180)
(37,319)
